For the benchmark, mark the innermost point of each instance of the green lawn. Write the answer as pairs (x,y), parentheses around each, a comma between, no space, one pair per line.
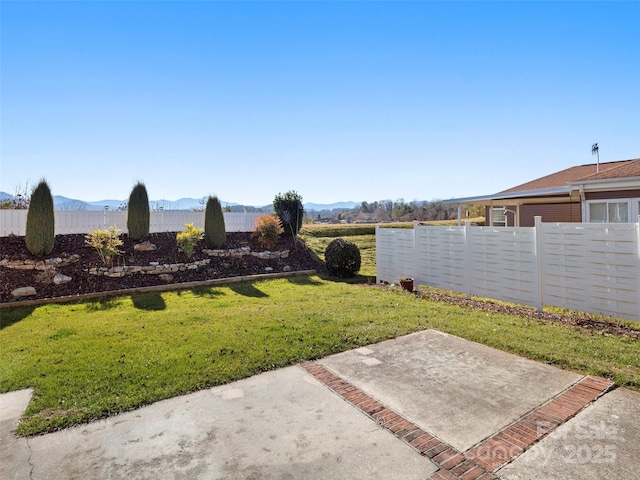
(93,359)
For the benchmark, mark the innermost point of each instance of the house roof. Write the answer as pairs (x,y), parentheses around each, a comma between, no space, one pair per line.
(625,169)
(559,184)
(607,170)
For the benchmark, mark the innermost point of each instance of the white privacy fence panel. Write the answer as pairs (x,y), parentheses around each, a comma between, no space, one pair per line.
(504,264)
(240,221)
(592,267)
(394,253)
(441,257)
(581,266)
(13,222)
(87,221)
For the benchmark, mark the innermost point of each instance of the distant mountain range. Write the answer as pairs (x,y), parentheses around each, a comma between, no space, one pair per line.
(65,203)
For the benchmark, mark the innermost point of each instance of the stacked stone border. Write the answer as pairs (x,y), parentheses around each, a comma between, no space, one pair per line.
(484,458)
(154,268)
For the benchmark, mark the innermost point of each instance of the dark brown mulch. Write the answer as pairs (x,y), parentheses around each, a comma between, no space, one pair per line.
(575,319)
(14,248)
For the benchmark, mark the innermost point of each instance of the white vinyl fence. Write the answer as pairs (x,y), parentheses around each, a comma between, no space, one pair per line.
(591,267)
(13,222)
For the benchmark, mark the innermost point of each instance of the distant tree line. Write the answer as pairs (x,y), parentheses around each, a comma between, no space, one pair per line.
(382,211)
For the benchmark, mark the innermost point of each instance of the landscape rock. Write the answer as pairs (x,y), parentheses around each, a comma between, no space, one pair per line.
(268,269)
(24,292)
(30,264)
(286,268)
(231,252)
(59,279)
(144,247)
(166,277)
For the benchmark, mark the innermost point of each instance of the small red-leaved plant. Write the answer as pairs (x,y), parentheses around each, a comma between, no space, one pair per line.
(267,230)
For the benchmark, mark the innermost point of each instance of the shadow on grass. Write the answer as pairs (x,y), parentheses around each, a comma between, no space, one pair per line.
(304,280)
(208,292)
(247,289)
(102,305)
(8,318)
(358,279)
(148,301)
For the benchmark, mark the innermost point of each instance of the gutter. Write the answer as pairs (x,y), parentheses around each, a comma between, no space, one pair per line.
(510,195)
(583,203)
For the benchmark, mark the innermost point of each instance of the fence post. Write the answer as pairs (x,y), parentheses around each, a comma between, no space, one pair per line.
(377,254)
(537,233)
(638,260)
(416,284)
(467,259)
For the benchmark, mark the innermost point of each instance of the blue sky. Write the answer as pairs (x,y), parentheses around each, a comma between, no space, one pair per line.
(336,100)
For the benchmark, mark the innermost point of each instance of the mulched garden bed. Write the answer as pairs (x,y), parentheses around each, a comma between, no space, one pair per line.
(581,320)
(14,248)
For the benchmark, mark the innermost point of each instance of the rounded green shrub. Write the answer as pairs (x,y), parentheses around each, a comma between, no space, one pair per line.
(40,231)
(215,234)
(342,258)
(138,215)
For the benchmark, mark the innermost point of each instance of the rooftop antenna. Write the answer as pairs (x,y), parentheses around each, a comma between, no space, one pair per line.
(596,151)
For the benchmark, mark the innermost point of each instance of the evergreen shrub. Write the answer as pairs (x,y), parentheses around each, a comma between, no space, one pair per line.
(40,229)
(290,210)
(138,214)
(342,258)
(215,235)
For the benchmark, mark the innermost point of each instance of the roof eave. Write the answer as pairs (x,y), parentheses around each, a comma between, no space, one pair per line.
(544,192)
(634,181)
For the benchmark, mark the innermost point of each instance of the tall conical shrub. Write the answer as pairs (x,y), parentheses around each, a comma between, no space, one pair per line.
(138,215)
(40,230)
(215,235)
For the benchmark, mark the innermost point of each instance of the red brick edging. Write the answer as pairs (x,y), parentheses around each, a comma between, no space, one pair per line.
(445,456)
(490,454)
(513,440)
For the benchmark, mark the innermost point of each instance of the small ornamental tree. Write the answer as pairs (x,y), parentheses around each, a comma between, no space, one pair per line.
(40,229)
(138,215)
(291,212)
(215,235)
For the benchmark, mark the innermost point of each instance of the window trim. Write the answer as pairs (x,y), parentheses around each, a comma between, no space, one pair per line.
(633,209)
(501,223)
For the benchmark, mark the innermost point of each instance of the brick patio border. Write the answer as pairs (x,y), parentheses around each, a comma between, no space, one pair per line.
(490,454)
(452,463)
(510,442)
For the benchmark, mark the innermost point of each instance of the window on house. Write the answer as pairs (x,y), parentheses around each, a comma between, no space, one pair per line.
(498,217)
(609,212)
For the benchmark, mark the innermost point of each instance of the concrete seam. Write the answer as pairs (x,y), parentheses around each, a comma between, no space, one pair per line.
(31,465)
